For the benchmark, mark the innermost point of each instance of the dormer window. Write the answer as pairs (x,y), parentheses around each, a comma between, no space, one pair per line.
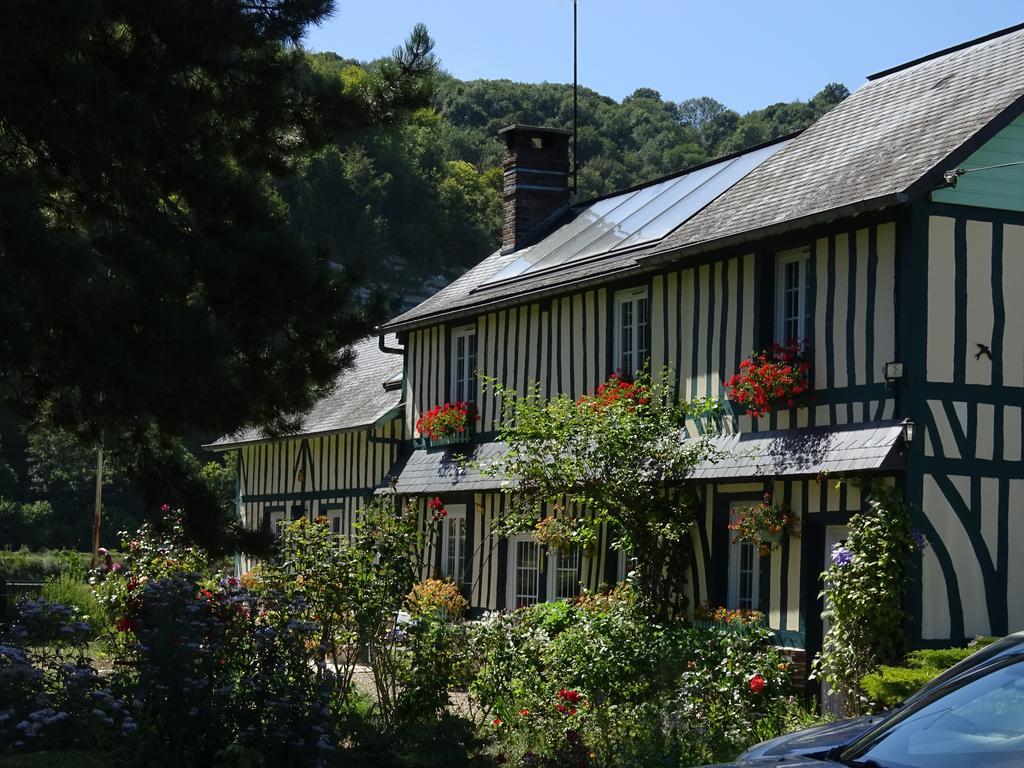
(632,320)
(791,292)
(464,364)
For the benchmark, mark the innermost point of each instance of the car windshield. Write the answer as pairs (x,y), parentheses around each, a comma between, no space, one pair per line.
(978,723)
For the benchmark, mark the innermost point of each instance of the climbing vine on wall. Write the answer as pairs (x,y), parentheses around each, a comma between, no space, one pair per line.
(863,592)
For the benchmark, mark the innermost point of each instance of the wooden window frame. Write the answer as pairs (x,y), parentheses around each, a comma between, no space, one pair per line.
(802,257)
(455,512)
(640,328)
(736,551)
(464,388)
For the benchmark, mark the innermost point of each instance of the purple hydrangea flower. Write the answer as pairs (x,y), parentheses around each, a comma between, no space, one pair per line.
(919,539)
(841,556)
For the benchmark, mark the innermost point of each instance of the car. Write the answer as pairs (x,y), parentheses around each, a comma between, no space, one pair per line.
(974,710)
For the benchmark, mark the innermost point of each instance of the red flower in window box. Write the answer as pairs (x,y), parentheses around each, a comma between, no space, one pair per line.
(448,420)
(779,377)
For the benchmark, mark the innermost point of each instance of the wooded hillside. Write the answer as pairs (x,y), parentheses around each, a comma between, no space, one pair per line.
(415,205)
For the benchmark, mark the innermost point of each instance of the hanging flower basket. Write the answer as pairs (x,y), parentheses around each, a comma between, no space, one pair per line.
(775,378)
(764,525)
(448,424)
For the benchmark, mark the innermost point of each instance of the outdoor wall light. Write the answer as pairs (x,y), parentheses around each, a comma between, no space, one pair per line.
(893,370)
(908,431)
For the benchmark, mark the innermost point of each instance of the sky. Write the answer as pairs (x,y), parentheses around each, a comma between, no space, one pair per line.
(745,54)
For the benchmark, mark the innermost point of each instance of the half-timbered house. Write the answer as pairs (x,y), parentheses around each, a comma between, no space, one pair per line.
(849,235)
(881,234)
(341,452)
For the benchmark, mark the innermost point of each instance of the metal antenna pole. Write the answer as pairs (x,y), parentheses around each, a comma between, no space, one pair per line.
(575,88)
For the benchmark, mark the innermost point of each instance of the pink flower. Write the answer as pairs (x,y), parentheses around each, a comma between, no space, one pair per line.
(165,508)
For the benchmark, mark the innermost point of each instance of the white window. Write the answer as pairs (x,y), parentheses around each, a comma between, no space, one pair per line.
(744,569)
(338,531)
(791,295)
(464,364)
(276,520)
(561,572)
(524,571)
(453,544)
(564,581)
(632,317)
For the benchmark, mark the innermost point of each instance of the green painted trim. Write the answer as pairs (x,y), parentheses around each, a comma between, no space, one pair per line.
(344,493)
(999,188)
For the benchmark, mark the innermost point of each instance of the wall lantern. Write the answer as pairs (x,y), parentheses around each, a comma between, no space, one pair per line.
(893,370)
(908,431)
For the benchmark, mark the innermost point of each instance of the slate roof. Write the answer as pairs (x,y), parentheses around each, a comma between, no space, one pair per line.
(885,145)
(439,470)
(888,142)
(358,398)
(779,453)
(472,290)
(809,451)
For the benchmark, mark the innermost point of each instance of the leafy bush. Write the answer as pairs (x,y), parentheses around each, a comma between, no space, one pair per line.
(596,683)
(887,686)
(72,591)
(29,524)
(436,597)
(218,667)
(51,697)
(864,588)
(23,565)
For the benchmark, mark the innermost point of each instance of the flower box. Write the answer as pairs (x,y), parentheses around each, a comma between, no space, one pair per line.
(447,424)
(779,377)
(456,439)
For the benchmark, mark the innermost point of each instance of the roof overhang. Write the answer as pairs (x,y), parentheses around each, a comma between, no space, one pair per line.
(227,444)
(874,447)
(806,452)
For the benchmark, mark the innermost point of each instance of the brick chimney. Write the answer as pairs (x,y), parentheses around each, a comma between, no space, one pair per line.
(536,182)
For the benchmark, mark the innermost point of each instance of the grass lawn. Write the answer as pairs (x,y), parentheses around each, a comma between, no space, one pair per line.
(53,760)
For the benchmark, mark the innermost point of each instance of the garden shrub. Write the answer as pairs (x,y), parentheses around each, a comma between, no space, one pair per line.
(888,686)
(436,597)
(51,697)
(609,687)
(863,592)
(24,565)
(216,667)
(71,590)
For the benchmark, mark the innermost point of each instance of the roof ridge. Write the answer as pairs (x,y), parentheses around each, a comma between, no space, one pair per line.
(946,51)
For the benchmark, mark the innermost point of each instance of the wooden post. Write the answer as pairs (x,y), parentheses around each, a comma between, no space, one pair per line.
(98,509)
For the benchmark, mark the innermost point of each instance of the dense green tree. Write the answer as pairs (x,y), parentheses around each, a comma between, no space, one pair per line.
(149,271)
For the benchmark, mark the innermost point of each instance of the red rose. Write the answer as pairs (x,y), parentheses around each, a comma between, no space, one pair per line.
(757,684)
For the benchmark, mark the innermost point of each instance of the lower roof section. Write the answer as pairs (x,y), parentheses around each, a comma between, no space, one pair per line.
(447,470)
(870,447)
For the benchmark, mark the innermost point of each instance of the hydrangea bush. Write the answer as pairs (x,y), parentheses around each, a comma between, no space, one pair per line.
(51,696)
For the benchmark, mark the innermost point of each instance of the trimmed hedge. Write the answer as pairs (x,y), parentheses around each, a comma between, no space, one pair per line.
(888,686)
(46,565)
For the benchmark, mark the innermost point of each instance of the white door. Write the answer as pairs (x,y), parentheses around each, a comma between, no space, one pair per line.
(834,534)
